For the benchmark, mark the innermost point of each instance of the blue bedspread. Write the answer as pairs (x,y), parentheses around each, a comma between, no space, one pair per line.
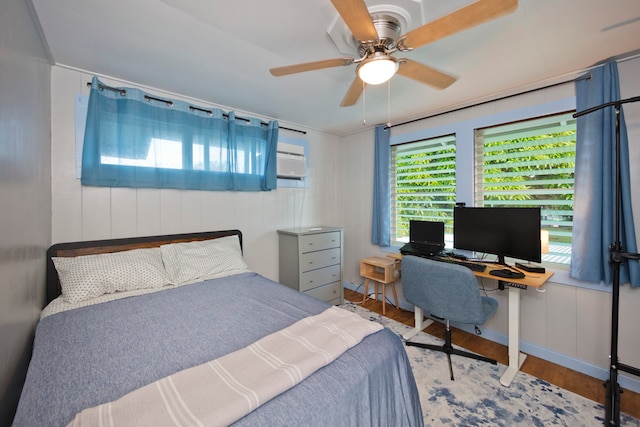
(96,354)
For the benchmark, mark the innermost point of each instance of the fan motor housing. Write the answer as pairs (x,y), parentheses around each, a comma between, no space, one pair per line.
(388,29)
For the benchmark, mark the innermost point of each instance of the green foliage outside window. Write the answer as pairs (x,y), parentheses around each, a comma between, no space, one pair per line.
(533,171)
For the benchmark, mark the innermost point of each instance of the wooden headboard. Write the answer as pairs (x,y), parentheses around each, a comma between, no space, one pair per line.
(93,247)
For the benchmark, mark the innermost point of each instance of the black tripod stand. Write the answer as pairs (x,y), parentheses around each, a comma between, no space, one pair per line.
(448,348)
(617,257)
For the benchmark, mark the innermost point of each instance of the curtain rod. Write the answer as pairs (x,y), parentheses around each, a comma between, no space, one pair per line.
(585,77)
(123,92)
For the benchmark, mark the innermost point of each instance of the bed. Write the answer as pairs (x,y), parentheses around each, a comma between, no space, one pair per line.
(92,350)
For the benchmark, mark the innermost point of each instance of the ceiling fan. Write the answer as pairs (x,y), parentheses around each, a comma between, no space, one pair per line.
(378,36)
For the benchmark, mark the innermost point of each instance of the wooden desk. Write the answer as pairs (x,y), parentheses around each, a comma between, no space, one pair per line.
(380,270)
(516,358)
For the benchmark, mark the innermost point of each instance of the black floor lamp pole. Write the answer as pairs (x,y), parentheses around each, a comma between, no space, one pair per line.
(617,257)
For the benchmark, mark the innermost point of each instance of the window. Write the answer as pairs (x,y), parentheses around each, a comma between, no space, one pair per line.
(423,184)
(531,163)
(132,139)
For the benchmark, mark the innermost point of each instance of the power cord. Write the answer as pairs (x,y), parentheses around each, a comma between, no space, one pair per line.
(356,290)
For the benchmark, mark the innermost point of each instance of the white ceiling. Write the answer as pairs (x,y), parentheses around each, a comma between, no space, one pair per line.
(221,52)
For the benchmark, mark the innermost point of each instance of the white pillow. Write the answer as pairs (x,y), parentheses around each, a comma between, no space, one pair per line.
(187,262)
(89,276)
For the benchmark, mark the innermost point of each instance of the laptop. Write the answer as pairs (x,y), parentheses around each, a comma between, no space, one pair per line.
(426,238)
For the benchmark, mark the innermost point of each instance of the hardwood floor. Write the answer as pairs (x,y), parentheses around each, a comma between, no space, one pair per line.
(579,383)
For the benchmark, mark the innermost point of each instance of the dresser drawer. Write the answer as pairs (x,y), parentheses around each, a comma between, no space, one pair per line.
(315,260)
(313,279)
(318,242)
(329,292)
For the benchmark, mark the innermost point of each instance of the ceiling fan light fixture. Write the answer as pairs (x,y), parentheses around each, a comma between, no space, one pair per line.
(377,69)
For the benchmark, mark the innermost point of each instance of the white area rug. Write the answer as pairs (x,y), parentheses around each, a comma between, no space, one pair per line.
(476,397)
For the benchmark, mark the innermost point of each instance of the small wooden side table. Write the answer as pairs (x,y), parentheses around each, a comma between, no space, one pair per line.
(380,270)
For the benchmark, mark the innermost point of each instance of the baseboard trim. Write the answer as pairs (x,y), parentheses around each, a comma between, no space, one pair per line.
(629,383)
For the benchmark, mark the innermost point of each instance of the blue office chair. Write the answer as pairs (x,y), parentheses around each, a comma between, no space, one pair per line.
(447,292)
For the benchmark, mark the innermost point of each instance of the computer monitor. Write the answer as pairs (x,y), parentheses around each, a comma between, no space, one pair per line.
(429,232)
(505,232)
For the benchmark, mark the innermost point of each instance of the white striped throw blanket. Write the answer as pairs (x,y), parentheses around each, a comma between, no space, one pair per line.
(222,391)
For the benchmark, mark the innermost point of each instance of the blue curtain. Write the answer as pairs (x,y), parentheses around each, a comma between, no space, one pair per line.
(381,228)
(594,204)
(133,139)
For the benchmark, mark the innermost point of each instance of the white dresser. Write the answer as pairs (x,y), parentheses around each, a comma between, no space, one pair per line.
(311,261)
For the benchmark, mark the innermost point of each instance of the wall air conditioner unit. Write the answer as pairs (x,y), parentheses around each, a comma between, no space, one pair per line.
(292,164)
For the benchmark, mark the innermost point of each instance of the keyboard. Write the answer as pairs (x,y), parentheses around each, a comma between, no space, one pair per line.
(473,266)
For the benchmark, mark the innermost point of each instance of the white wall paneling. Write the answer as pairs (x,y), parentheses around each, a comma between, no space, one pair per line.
(96,213)
(593,326)
(123,212)
(147,216)
(534,305)
(561,319)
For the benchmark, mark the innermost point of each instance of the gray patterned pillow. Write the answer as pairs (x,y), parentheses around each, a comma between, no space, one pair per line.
(89,276)
(190,261)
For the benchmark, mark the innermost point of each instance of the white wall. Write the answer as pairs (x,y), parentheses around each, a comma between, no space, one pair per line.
(566,324)
(89,213)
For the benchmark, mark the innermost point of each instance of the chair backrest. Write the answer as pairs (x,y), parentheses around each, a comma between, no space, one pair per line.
(444,290)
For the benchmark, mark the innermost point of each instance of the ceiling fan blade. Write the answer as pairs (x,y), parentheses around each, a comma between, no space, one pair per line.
(356,15)
(353,93)
(477,13)
(310,66)
(423,74)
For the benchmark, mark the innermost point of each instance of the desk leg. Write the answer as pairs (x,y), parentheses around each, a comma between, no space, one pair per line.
(516,359)
(419,325)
